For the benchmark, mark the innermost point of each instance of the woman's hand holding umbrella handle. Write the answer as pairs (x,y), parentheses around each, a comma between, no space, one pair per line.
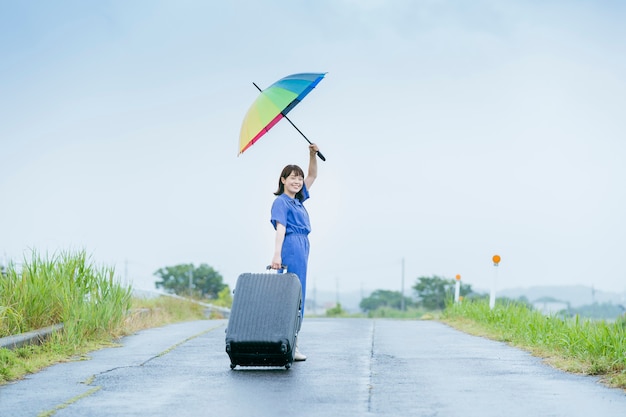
(315,150)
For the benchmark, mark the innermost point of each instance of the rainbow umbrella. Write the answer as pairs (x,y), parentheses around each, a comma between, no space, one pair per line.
(273,104)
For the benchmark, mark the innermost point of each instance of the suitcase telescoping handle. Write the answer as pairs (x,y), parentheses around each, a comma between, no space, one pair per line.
(283,268)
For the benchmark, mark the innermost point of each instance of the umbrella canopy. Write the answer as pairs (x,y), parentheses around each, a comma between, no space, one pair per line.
(273,104)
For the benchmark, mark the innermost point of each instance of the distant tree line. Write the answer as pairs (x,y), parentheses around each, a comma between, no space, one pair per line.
(435,292)
(429,293)
(598,311)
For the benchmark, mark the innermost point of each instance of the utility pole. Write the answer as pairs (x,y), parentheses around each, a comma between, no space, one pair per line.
(314,297)
(593,301)
(402,306)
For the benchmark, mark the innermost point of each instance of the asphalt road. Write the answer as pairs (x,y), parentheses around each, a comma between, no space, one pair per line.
(356,367)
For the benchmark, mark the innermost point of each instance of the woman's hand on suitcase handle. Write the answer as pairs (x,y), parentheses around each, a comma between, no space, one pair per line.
(281,266)
(277,262)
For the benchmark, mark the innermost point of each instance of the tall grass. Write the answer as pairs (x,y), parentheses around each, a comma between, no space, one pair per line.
(64,288)
(161,311)
(587,346)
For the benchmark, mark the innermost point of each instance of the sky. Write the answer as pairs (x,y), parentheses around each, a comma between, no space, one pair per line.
(453,131)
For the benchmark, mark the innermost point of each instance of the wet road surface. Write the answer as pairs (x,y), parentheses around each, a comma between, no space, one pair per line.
(355,367)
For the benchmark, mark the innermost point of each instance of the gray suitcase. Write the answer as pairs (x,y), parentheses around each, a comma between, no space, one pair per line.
(264,320)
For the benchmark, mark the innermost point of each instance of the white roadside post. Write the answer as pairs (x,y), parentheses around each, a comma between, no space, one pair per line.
(457,288)
(492,296)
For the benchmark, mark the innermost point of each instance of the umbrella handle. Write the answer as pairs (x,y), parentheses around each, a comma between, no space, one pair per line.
(299,131)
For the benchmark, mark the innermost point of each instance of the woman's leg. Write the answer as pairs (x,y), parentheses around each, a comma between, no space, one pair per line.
(295,255)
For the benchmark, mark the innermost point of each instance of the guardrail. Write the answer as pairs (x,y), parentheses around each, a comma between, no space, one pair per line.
(208,307)
(40,335)
(34,337)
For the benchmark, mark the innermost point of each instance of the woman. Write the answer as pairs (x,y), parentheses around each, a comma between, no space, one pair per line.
(291,222)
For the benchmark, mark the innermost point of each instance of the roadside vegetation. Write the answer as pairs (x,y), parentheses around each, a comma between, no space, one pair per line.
(430,295)
(95,308)
(575,345)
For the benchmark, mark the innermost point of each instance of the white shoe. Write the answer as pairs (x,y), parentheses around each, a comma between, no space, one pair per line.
(298,356)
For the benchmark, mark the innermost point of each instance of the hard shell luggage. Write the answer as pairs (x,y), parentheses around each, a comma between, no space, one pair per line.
(264,320)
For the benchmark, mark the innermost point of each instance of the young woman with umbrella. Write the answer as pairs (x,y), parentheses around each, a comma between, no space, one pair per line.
(291,222)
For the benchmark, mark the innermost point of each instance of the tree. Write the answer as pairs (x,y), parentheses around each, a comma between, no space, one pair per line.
(206,282)
(432,292)
(384,298)
(224,298)
(336,311)
(598,311)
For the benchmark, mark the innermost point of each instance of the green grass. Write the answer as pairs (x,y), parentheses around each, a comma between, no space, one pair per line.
(94,307)
(575,345)
(65,288)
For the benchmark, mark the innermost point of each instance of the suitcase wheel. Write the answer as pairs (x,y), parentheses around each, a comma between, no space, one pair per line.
(232,366)
(288,366)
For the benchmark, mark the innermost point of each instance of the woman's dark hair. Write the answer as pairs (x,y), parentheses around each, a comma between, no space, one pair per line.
(287,171)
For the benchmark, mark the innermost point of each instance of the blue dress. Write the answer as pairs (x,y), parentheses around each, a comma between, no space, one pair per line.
(291,213)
